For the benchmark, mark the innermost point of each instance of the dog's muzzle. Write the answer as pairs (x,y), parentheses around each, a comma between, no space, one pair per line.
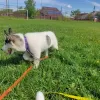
(8,51)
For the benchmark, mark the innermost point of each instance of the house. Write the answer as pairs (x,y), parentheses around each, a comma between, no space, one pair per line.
(88,16)
(94,14)
(82,16)
(6,12)
(50,13)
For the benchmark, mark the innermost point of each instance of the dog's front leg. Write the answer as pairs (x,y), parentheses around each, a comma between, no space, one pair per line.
(36,63)
(37,59)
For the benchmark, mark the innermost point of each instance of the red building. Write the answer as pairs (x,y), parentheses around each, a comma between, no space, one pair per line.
(50,13)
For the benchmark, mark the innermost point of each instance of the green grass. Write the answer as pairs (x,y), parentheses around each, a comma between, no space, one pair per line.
(74,69)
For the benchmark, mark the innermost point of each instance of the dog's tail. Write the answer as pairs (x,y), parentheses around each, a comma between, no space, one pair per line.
(40,96)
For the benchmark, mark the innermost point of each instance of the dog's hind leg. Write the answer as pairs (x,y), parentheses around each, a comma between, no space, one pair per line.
(55,44)
(46,53)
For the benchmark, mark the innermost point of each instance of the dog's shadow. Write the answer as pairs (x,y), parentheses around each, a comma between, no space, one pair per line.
(14,60)
(17,59)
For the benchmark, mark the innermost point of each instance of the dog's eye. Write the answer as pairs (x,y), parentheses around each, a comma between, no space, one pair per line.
(7,41)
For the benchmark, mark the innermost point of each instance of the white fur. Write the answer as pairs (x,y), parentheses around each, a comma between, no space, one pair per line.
(37,44)
(40,96)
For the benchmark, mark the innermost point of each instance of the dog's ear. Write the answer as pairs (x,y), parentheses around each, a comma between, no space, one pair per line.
(13,38)
(16,40)
(9,30)
(5,32)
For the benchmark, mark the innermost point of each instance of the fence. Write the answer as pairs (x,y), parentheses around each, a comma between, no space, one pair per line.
(19,13)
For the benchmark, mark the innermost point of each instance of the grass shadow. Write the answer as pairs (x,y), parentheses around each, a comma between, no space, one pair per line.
(14,60)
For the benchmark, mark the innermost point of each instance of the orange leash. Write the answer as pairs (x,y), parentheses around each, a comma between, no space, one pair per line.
(6,92)
(44,58)
(15,83)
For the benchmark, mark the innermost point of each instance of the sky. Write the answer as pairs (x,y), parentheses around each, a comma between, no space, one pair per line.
(66,5)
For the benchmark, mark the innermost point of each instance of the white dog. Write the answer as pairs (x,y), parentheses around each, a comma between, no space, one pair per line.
(33,44)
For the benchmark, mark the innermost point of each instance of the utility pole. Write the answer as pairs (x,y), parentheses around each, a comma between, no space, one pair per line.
(17,5)
(94,9)
(41,3)
(61,9)
(61,12)
(7,6)
(27,14)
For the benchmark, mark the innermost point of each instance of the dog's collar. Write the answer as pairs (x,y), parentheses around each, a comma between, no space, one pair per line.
(27,47)
(26,44)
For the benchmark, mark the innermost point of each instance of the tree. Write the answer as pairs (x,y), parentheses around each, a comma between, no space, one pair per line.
(30,6)
(90,16)
(38,12)
(75,12)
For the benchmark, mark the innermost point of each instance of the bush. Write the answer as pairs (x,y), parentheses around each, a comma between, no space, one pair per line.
(63,18)
(90,17)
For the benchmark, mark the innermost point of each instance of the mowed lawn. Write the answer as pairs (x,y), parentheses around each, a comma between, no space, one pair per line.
(74,69)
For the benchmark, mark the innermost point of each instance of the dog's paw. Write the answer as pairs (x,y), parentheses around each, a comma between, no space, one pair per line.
(35,66)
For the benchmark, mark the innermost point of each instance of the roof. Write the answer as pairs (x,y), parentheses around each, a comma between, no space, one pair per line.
(50,11)
(50,8)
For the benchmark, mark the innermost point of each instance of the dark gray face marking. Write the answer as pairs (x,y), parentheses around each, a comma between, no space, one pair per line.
(48,40)
(7,41)
(10,37)
(15,39)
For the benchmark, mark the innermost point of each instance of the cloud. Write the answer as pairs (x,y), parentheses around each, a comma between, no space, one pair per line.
(53,3)
(69,6)
(95,4)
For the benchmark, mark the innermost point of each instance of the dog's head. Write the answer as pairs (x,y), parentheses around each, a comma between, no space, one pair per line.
(12,42)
